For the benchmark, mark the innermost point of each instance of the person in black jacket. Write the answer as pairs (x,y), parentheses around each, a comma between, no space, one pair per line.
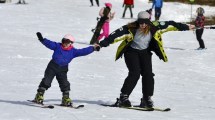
(139,38)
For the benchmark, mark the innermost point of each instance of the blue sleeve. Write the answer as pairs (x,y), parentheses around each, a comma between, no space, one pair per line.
(49,44)
(161,3)
(83,51)
(153,4)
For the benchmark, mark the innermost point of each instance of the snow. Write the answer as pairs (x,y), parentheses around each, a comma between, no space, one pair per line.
(185,83)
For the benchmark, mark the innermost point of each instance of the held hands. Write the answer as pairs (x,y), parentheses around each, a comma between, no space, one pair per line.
(97,47)
(40,37)
(191,27)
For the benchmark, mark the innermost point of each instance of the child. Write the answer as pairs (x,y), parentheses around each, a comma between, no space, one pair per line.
(105,27)
(58,66)
(199,23)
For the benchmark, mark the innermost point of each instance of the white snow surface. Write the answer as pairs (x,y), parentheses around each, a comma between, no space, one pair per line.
(185,83)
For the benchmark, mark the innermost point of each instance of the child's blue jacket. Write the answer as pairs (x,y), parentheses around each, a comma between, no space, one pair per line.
(64,57)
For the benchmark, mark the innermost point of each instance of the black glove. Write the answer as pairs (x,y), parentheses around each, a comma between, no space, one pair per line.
(97,48)
(40,37)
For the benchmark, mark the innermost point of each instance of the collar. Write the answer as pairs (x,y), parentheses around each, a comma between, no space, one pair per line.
(69,48)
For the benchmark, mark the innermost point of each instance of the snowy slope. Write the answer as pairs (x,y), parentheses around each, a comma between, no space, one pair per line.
(185,83)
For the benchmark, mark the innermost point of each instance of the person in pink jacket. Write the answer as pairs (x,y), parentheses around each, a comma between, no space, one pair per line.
(110,16)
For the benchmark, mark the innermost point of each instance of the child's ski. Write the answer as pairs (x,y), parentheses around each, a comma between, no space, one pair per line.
(41,105)
(72,106)
(52,106)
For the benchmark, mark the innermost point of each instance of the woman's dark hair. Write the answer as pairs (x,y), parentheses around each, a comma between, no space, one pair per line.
(135,25)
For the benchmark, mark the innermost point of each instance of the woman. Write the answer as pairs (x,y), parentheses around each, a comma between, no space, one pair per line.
(139,38)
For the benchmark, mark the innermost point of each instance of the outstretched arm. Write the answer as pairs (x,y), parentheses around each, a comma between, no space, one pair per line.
(40,37)
(177,25)
(83,51)
(117,35)
(48,43)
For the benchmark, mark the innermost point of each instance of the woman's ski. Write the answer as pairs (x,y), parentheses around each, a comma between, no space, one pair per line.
(140,108)
(41,105)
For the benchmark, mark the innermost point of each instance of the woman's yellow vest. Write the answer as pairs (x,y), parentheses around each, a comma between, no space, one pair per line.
(156,39)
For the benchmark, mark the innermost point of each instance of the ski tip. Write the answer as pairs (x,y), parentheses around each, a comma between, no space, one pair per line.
(107,105)
(75,107)
(81,106)
(50,106)
(163,110)
(167,109)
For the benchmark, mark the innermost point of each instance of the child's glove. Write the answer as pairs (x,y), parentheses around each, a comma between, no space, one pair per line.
(96,47)
(40,37)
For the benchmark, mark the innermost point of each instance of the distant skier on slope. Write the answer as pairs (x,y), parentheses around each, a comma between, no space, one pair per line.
(199,23)
(106,26)
(97,2)
(158,4)
(21,2)
(128,4)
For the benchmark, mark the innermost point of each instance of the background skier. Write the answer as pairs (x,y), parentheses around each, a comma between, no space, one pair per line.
(21,2)
(158,4)
(199,23)
(128,4)
(110,16)
(97,2)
